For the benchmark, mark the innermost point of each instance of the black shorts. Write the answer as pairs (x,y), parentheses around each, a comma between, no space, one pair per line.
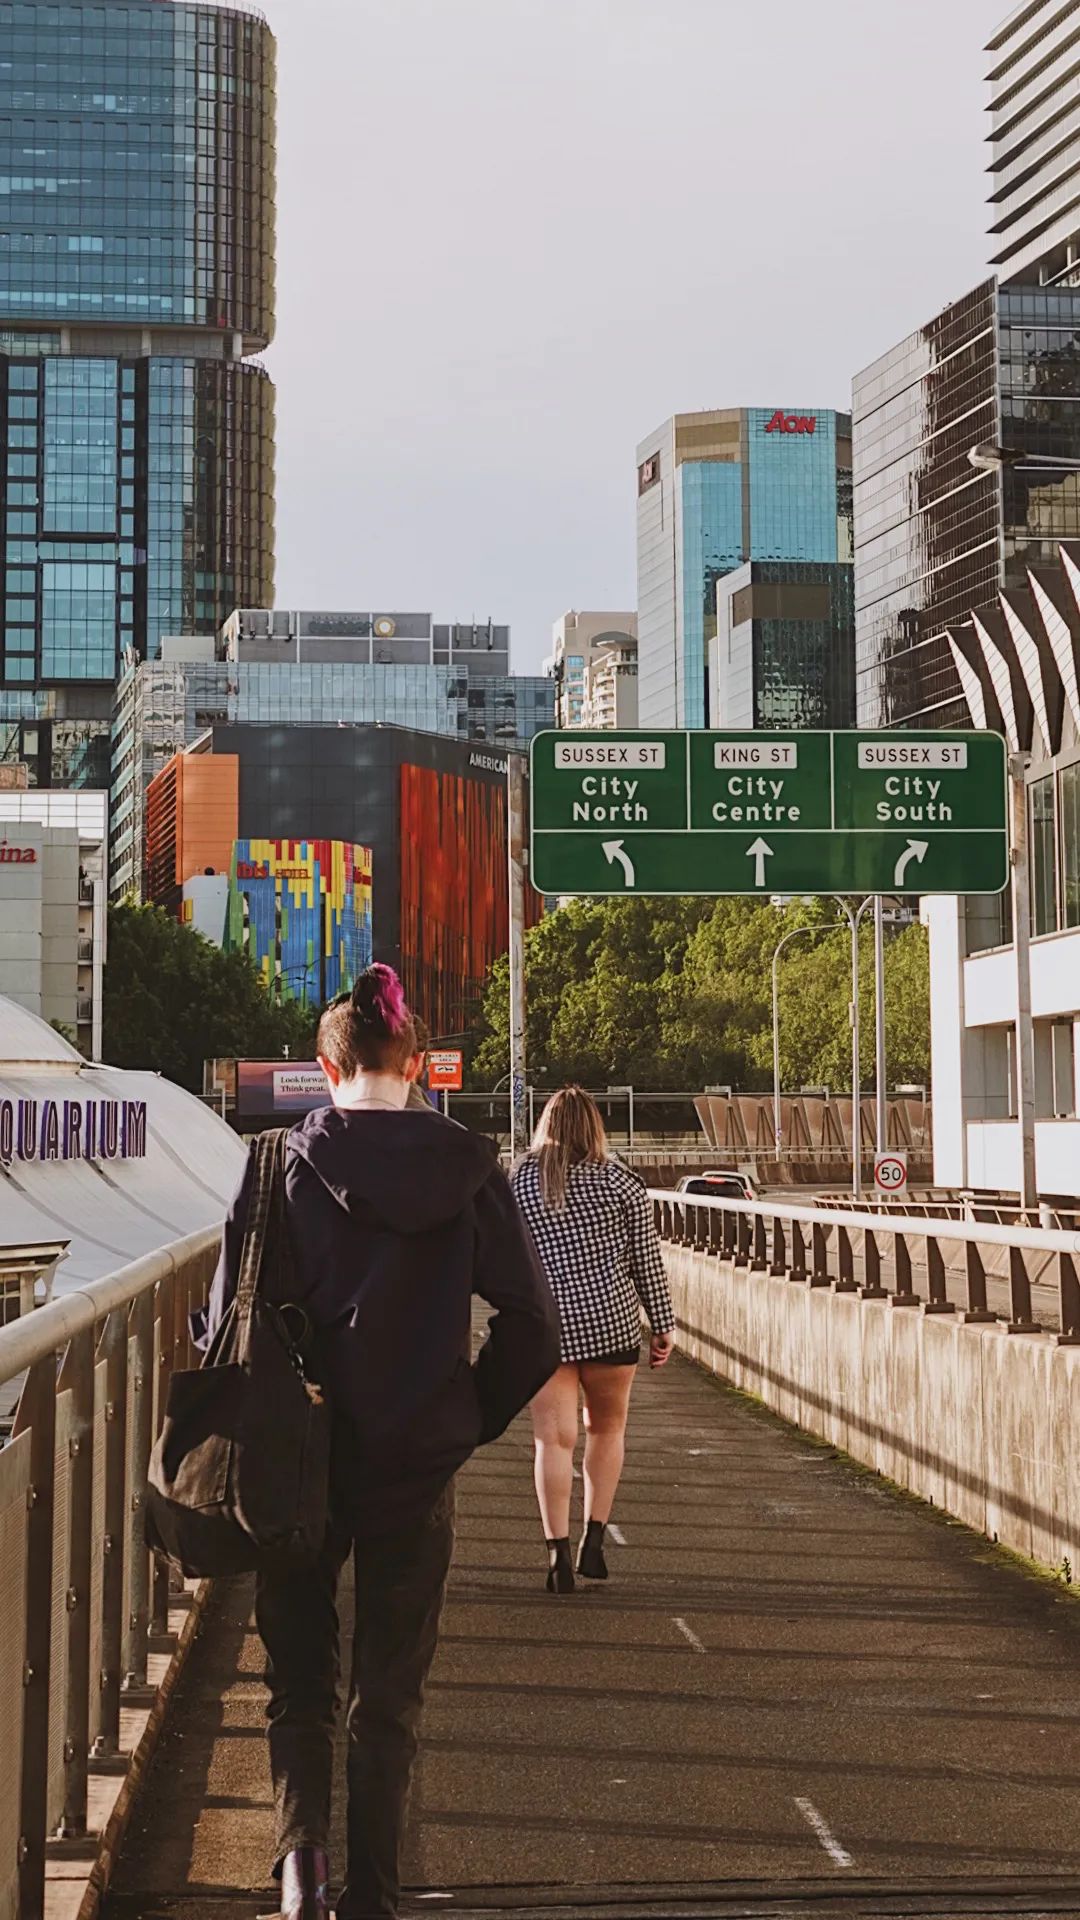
(629,1357)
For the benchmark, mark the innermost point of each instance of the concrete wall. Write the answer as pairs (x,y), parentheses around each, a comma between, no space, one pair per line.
(982,1422)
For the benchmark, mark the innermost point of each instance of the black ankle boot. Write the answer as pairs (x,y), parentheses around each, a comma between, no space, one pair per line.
(560,1570)
(305,1885)
(590,1560)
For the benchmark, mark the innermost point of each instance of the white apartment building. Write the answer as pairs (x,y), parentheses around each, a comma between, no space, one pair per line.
(593,663)
(1019,663)
(53,898)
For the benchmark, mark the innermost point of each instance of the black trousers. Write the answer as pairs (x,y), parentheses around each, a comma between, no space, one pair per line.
(400,1586)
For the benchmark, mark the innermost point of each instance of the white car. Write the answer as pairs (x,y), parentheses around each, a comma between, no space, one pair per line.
(720,1183)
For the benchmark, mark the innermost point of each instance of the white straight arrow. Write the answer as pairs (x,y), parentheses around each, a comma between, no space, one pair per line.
(759,853)
(916,850)
(614,850)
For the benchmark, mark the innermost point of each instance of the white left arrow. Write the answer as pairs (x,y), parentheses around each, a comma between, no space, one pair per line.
(614,850)
(915,850)
(759,853)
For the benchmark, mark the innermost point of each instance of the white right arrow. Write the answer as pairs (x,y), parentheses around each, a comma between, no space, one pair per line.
(916,850)
(614,850)
(759,853)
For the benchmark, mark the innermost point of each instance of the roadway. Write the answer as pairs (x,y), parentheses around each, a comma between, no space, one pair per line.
(800,1693)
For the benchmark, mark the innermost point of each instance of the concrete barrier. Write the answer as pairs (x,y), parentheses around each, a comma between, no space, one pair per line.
(983,1422)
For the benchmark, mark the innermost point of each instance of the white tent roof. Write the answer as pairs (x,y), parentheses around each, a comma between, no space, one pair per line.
(111,1210)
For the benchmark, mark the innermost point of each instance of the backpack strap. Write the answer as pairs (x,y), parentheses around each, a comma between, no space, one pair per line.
(268,1154)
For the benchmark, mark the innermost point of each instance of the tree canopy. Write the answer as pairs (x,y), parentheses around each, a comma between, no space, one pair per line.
(172,1000)
(677,993)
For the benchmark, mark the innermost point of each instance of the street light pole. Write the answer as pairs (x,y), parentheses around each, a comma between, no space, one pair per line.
(780,945)
(515,774)
(879,1021)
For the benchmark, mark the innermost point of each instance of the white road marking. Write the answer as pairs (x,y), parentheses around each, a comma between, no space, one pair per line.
(837,1854)
(617,1535)
(689,1634)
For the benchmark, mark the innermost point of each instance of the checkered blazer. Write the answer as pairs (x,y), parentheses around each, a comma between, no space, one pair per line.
(601,1256)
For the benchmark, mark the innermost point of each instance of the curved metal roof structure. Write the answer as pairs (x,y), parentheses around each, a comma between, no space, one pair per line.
(117,1163)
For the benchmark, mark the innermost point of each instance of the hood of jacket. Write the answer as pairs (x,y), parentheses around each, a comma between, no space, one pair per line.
(409,1171)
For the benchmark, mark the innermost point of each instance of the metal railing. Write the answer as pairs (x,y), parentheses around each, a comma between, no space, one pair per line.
(82,1603)
(1025,1276)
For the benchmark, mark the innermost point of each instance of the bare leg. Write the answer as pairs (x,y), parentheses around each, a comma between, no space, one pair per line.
(555,1418)
(607,1402)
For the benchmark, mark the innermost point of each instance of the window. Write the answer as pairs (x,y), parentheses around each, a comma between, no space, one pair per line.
(1069,803)
(1055,1069)
(1041,827)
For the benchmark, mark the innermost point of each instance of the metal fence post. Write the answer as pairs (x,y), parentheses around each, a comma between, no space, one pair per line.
(78,1374)
(872,1288)
(1021,1320)
(37,1413)
(845,1263)
(1069,1302)
(819,1264)
(939,1301)
(977,1310)
(105,1722)
(137,1625)
(905,1295)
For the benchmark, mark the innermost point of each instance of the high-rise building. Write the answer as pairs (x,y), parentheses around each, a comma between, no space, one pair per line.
(136,280)
(936,536)
(783,654)
(716,490)
(593,662)
(312,670)
(1035,144)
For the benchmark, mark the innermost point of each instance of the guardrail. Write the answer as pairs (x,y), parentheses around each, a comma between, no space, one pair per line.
(82,1604)
(858,1252)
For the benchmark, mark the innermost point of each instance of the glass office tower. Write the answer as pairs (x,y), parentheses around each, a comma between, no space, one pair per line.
(136,279)
(936,536)
(716,490)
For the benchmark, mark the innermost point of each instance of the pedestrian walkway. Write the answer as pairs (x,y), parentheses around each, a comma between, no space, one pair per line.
(799,1693)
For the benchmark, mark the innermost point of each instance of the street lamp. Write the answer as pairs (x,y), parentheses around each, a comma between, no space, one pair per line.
(987,458)
(780,945)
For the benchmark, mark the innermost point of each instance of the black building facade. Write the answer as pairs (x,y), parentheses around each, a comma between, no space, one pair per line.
(784,651)
(934,536)
(433,813)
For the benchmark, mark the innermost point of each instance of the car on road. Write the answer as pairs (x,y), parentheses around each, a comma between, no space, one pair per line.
(720,1183)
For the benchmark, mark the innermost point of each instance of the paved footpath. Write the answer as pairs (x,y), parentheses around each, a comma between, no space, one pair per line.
(800,1693)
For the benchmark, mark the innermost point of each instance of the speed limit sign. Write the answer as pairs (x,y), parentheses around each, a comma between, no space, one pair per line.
(890,1171)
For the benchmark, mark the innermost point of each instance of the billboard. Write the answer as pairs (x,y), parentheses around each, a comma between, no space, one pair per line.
(302,910)
(272,1087)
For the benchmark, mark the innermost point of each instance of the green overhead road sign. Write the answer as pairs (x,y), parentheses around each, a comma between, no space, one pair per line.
(769,813)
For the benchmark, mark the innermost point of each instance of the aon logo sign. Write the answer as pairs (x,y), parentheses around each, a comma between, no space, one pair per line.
(782,422)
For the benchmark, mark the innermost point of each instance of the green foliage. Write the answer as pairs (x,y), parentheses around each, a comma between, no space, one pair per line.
(173,1000)
(678,994)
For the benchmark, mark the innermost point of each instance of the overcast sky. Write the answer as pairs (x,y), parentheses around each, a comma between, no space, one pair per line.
(514,235)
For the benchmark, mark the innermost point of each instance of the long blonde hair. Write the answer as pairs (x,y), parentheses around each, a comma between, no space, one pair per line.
(570,1131)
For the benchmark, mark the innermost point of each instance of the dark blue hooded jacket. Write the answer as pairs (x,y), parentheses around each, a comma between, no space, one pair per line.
(396,1220)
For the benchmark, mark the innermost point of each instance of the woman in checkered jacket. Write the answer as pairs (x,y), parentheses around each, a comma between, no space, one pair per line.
(593,1226)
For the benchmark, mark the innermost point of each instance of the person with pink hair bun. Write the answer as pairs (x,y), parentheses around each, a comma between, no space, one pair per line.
(395,1219)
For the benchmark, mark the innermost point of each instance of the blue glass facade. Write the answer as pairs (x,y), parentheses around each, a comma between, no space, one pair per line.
(136,166)
(136,273)
(751,484)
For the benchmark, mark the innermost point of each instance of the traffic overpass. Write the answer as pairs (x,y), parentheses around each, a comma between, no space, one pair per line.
(802,1692)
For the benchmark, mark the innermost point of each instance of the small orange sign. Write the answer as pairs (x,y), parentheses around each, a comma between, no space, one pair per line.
(445,1069)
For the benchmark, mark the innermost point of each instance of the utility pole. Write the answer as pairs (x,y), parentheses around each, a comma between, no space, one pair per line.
(879,1022)
(515,776)
(1025,1040)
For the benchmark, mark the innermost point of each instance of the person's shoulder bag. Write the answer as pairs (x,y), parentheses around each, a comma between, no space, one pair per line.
(239,1477)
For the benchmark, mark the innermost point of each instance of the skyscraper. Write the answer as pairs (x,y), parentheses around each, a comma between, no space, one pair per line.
(1035,144)
(136,280)
(1000,367)
(716,490)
